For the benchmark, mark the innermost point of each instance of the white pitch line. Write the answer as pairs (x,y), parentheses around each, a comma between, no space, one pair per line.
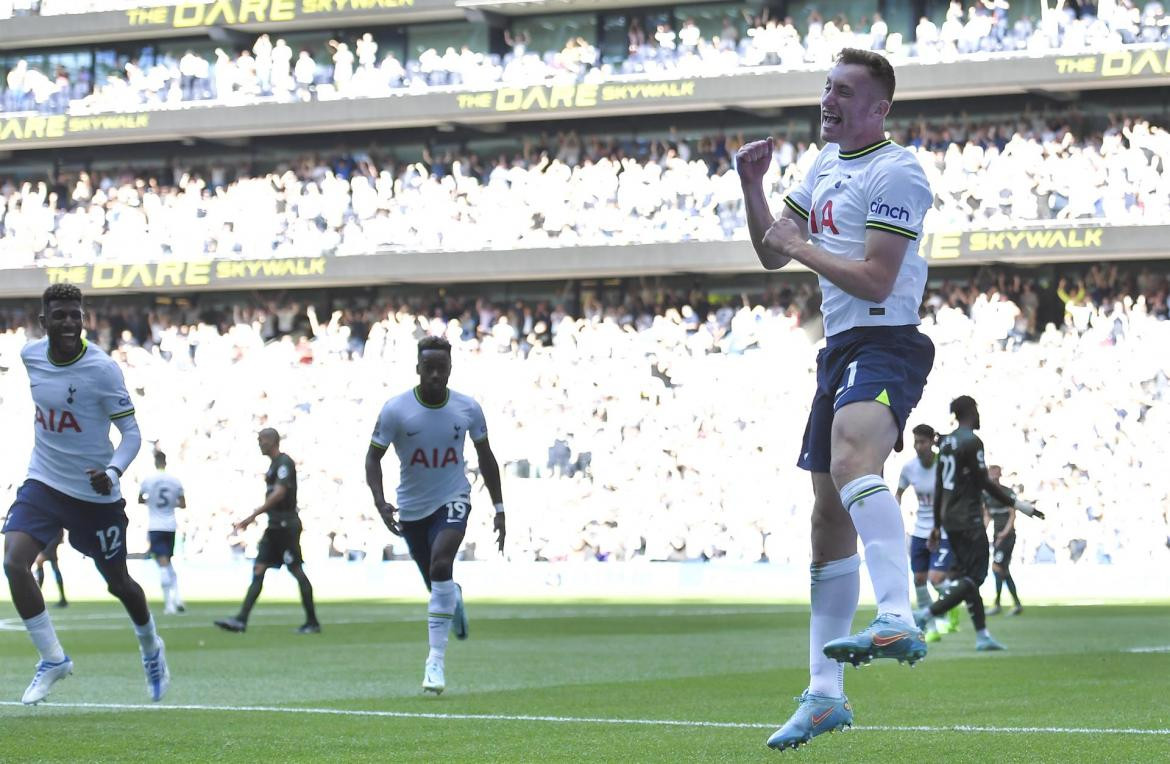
(584,719)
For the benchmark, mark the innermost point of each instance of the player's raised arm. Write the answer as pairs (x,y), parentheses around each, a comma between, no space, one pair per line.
(752,162)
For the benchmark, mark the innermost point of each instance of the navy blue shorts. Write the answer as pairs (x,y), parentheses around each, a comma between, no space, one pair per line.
(919,555)
(868,363)
(420,535)
(162,543)
(96,530)
(942,559)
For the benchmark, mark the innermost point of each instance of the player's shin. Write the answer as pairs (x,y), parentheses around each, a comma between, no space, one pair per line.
(958,591)
(44,637)
(878,520)
(147,636)
(440,611)
(833,591)
(976,611)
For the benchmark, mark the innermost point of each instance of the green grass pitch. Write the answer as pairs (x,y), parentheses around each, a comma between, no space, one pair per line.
(585,682)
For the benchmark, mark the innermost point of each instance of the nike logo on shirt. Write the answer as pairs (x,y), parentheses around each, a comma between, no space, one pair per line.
(412,434)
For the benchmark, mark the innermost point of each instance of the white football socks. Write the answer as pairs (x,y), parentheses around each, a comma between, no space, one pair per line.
(834,589)
(147,636)
(44,637)
(439,615)
(878,521)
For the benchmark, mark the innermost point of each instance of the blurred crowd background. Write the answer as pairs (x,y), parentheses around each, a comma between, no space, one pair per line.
(564,190)
(664,426)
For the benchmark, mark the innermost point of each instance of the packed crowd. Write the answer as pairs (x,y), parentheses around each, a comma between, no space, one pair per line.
(645,429)
(357,67)
(564,191)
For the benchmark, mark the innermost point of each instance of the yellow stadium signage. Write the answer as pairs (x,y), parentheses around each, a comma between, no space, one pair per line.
(218,12)
(61,125)
(949,245)
(1119,63)
(584,96)
(185,274)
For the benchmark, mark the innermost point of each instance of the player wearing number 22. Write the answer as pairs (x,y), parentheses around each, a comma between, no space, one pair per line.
(427,426)
(960,481)
(855,220)
(73,484)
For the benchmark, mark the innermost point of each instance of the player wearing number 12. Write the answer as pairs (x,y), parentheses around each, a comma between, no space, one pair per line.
(862,205)
(73,484)
(427,426)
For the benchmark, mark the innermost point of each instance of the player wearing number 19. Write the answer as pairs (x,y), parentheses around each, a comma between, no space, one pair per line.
(73,484)
(862,204)
(427,426)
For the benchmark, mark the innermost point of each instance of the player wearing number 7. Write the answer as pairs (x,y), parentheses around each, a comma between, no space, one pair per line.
(855,221)
(73,484)
(427,426)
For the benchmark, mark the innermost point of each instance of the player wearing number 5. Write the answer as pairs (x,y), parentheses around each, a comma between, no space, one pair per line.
(427,426)
(162,493)
(73,484)
(855,221)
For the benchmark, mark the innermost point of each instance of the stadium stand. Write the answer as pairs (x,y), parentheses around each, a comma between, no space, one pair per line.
(629,421)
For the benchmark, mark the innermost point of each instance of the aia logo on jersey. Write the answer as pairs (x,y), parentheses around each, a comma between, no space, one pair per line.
(826,223)
(894,213)
(57,421)
(432,460)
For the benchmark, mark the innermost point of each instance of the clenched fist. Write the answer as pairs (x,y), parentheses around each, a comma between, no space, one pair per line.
(753,160)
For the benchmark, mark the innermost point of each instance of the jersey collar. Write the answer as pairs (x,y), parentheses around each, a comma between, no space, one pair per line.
(75,359)
(421,402)
(865,151)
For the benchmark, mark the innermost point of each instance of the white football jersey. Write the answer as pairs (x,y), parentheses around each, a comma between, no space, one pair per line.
(429,442)
(845,195)
(921,479)
(163,492)
(75,403)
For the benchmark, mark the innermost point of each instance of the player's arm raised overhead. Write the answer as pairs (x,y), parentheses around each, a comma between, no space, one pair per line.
(752,162)
(380,441)
(116,401)
(979,470)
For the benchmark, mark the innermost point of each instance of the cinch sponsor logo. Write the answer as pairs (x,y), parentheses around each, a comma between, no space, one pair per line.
(420,457)
(895,213)
(57,421)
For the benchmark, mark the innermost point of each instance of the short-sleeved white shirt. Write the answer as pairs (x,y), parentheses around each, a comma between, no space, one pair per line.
(846,195)
(921,479)
(163,492)
(74,402)
(429,442)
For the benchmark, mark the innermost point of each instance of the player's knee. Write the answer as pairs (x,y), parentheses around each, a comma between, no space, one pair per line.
(14,567)
(441,570)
